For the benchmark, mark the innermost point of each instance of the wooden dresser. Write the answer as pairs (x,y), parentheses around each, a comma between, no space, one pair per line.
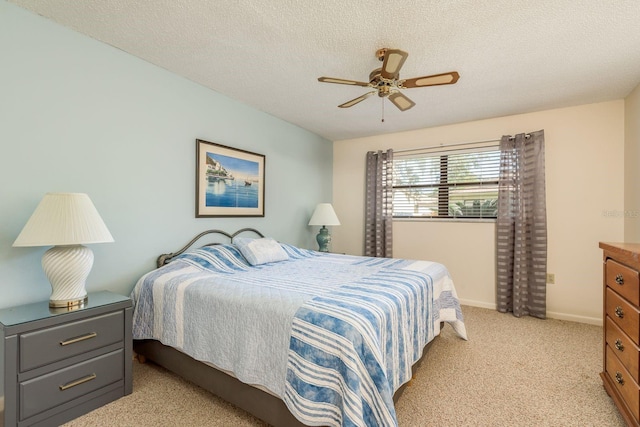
(621,321)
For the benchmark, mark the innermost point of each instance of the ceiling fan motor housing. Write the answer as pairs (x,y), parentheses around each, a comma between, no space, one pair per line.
(381,84)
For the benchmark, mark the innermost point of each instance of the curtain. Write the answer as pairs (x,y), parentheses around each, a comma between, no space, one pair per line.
(522,226)
(379,204)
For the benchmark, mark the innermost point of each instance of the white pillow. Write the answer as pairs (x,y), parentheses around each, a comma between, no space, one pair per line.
(260,251)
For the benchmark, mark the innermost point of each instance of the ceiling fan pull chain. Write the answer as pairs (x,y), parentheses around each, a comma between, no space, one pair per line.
(382,100)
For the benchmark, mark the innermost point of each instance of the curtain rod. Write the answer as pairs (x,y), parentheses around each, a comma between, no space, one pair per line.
(456,144)
(446,145)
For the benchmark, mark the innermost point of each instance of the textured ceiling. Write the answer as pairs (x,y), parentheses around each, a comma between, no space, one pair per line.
(513,56)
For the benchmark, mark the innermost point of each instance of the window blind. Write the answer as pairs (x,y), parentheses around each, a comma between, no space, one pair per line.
(454,183)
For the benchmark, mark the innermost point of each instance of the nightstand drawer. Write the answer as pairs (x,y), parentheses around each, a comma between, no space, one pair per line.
(623,314)
(49,345)
(47,391)
(623,280)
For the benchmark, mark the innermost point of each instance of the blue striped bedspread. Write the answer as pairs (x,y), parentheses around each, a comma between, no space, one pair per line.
(339,333)
(353,347)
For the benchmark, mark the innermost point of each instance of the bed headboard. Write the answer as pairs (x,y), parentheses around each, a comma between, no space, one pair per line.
(167,258)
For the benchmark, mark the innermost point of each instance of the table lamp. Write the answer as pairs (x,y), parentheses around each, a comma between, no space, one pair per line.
(324,215)
(65,221)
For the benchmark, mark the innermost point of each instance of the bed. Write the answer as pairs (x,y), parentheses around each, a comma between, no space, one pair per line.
(293,336)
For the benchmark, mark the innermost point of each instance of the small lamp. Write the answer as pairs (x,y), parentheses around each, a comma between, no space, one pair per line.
(66,221)
(324,215)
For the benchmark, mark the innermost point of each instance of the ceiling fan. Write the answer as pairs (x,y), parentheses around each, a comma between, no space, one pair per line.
(387,83)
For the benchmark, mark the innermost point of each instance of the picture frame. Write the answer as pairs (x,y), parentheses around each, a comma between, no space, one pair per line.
(229,182)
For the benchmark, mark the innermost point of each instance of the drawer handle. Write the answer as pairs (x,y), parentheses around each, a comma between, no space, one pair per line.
(89,378)
(619,279)
(619,312)
(78,339)
(619,345)
(619,378)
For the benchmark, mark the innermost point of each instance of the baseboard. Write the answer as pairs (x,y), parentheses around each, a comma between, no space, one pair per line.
(573,318)
(550,314)
(480,304)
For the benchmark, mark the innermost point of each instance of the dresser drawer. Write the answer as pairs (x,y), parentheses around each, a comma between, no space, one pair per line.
(49,345)
(623,382)
(623,347)
(47,391)
(624,280)
(623,314)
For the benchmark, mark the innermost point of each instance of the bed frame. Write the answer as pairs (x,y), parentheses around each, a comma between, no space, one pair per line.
(258,403)
(167,258)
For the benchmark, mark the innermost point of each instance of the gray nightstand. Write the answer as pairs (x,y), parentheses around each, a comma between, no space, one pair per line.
(58,364)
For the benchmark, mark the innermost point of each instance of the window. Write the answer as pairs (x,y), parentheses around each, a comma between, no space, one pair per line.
(456,183)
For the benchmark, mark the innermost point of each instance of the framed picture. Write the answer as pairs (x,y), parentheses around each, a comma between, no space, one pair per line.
(229,181)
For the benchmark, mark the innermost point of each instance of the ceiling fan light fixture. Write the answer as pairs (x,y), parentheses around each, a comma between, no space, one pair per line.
(383,91)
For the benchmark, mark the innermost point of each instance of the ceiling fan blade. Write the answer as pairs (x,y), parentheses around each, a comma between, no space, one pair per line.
(402,102)
(434,80)
(393,61)
(342,81)
(356,100)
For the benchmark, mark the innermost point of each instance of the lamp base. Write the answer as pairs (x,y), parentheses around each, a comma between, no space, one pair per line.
(67,268)
(69,304)
(323,238)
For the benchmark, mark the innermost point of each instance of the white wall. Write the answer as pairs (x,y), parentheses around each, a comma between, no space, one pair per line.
(77,115)
(585,180)
(632,167)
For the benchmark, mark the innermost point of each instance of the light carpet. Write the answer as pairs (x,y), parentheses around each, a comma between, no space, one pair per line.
(511,372)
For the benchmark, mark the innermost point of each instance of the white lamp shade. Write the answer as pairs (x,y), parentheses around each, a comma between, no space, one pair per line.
(324,215)
(64,219)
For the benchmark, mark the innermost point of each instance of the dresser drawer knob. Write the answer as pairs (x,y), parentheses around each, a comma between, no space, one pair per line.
(89,378)
(619,312)
(619,378)
(619,279)
(78,339)
(619,345)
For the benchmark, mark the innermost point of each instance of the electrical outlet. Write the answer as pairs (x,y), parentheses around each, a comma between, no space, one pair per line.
(551,278)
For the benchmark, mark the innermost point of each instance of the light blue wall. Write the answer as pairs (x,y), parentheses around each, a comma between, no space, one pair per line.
(77,115)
